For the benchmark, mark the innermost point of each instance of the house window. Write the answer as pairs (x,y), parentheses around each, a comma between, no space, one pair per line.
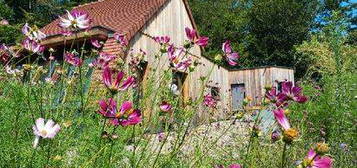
(238,95)
(215,93)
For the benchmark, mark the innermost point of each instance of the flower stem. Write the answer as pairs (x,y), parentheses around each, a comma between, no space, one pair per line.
(283,156)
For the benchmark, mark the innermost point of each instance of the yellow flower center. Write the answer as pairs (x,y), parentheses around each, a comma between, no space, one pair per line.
(290,135)
(43,132)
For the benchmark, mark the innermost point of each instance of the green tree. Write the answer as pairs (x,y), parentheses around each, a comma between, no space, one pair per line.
(275,27)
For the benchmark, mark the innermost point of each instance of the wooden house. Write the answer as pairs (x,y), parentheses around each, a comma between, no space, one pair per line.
(139,18)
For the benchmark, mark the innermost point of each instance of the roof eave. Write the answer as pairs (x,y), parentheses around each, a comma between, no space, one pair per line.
(95,32)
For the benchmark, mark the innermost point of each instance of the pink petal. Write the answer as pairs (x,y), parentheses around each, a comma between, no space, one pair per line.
(281,118)
(324,162)
(127,105)
(118,79)
(286,87)
(127,83)
(107,77)
(311,154)
(235,166)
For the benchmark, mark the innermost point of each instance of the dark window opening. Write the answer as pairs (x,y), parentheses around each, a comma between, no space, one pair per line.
(279,89)
(215,93)
(178,79)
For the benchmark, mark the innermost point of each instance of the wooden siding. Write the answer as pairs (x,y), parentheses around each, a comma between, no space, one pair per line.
(256,79)
(171,20)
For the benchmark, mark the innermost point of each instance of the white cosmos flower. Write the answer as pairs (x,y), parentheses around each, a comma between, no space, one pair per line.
(76,20)
(42,130)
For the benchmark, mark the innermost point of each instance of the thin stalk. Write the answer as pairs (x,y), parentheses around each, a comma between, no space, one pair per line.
(283,156)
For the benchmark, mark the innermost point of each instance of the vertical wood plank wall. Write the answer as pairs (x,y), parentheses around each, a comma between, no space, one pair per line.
(257,78)
(171,21)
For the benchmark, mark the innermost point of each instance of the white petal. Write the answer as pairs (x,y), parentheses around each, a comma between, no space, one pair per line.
(70,17)
(40,123)
(54,130)
(49,125)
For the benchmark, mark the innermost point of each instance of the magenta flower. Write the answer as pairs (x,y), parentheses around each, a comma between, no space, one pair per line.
(191,34)
(165,106)
(127,115)
(72,59)
(235,166)
(209,101)
(231,57)
(121,39)
(33,46)
(313,160)
(4,54)
(42,130)
(202,41)
(183,64)
(108,108)
(277,98)
(293,92)
(162,40)
(114,86)
(103,60)
(75,20)
(96,43)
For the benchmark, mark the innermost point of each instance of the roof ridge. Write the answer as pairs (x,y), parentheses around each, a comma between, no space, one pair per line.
(89,3)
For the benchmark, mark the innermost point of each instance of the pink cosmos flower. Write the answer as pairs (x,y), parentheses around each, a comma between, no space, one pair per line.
(114,86)
(108,108)
(235,166)
(73,60)
(103,60)
(277,98)
(4,54)
(281,118)
(183,64)
(4,22)
(33,34)
(121,39)
(96,43)
(33,46)
(75,20)
(191,34)
(162,40)
(293,92)
(127,115)
(313,160)
(231,57)
(42,130)
(165,106)
(209,101)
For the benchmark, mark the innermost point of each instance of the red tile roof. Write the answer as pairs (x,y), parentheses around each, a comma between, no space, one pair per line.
(123,16)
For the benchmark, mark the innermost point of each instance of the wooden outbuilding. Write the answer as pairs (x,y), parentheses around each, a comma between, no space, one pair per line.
(140,18)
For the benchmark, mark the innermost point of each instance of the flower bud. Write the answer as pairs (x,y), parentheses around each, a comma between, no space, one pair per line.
(322,148)
(51,50)
(275,136)
(218,58)
(268,87)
